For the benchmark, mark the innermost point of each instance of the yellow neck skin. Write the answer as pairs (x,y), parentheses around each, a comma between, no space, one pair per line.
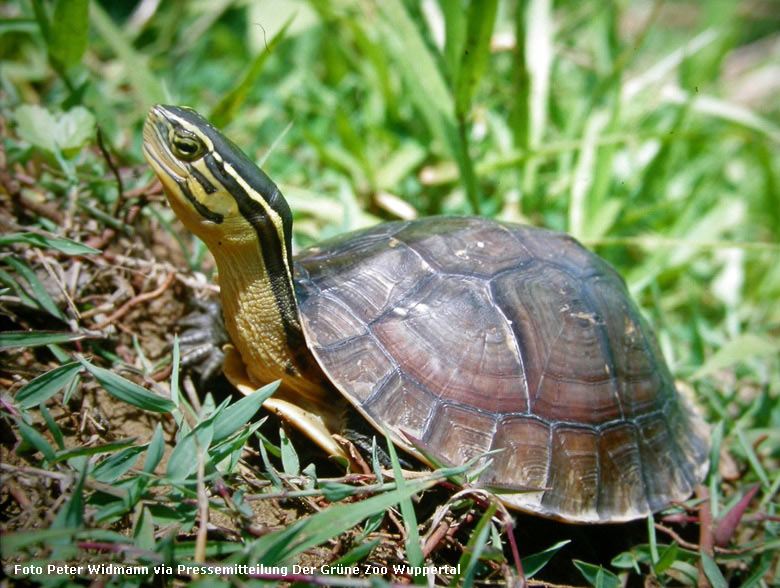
(253,320)
(250,311)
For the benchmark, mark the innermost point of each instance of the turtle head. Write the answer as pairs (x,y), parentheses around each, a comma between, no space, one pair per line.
(225,199)
(214,188)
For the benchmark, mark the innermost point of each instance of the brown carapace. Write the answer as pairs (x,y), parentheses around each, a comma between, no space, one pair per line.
(473,335)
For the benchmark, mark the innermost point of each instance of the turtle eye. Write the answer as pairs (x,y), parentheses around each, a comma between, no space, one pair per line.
(186,145)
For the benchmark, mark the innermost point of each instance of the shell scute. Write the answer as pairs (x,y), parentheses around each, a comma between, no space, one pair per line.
(401,404)
(574,472)
(463,246)
(526,444)
(619,458)
(660,460)
(362,361)
(480,368)
(370,291)
(641,379)
(693,448)
(331,321)
(466,432)
(565,352)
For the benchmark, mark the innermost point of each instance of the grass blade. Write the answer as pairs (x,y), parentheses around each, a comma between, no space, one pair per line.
(40,294)
(16,339)
(46,385)
(70,516)
(290,462)
(742,348)
(42,17)
(155,452)
(596,575)
(51,424)
(128,391)
(61,244)
(531,84)
(329,523)
(413,551)
(36,440)
(470,558)
(111,469)
(69,28)
(143,529)
(538,55)
(72,452)
(358,553)
(721,109)
(535,562)
(667,558)
(712,571)
(184,457)
(12,284)
(235,416)
(455,34)
(429,91)
(423,73)
(476,50)
(224,112)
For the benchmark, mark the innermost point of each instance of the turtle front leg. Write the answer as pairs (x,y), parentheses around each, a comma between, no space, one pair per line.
(201,341)
(297,411)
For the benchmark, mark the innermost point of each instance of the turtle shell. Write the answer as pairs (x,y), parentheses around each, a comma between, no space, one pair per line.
(474,335)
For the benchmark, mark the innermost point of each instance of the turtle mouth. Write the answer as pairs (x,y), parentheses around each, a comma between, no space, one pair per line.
(156,149)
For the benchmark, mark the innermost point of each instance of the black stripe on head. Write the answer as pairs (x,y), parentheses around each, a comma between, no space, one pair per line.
(267,235)
(207,186)
(201,208)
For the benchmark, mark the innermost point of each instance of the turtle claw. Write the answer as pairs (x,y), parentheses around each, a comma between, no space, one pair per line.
(201,339)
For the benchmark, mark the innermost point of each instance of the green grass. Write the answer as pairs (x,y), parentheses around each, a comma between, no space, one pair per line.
(648,130)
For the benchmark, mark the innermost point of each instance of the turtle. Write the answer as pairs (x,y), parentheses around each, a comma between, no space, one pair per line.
(461,336)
